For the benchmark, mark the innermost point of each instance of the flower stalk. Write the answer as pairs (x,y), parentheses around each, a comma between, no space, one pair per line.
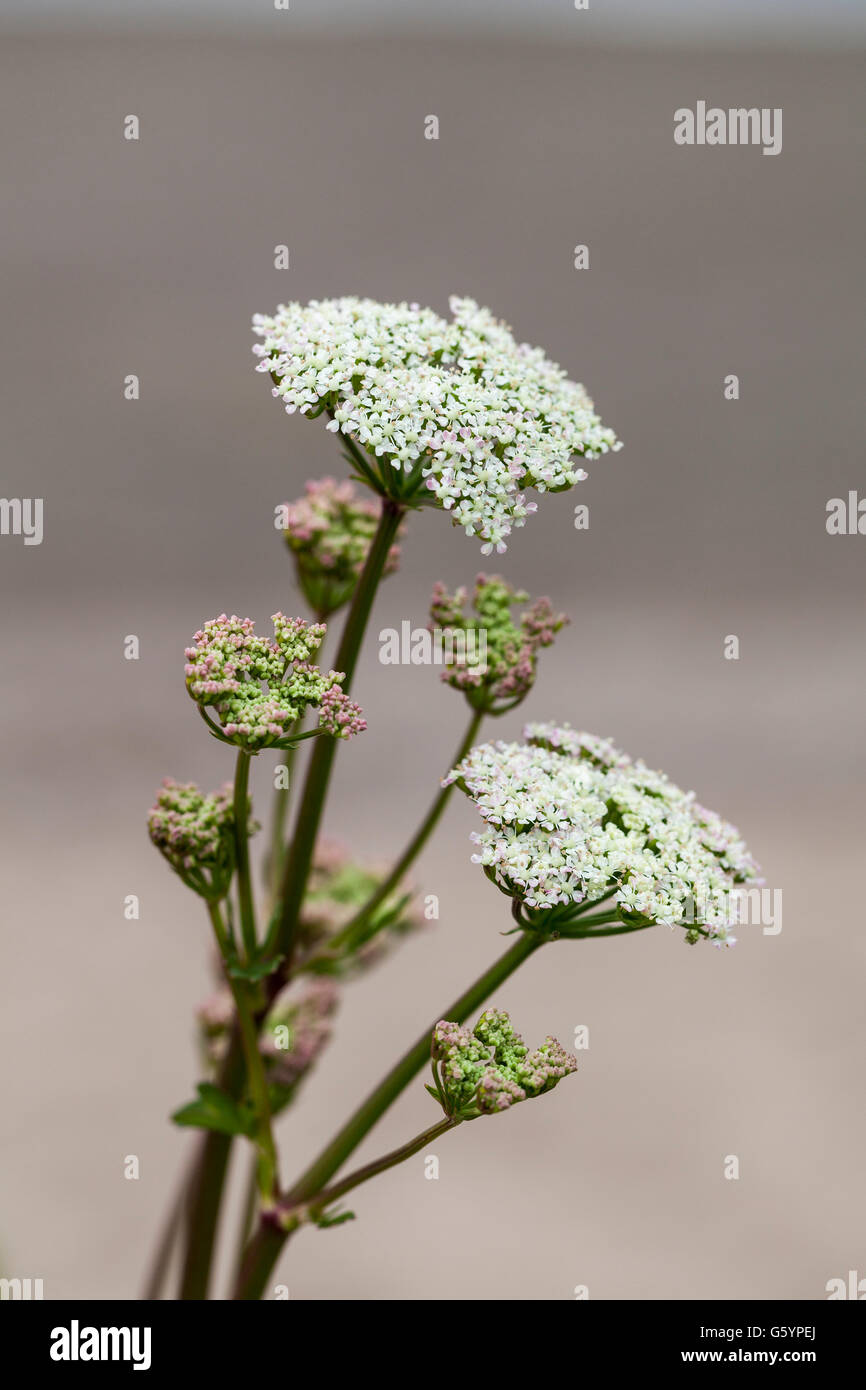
(279,816)
(206,1188)
(295,1216)
(242,852)
(299,858)
(255,1070)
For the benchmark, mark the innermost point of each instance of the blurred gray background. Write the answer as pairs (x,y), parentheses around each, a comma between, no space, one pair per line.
(260,128)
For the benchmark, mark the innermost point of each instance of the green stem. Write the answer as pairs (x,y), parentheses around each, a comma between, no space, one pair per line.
(598,919)
(262,1254)
(206,1188)
(604,931)
(282,797)
(413,849)
(381,1165)
(269,1240)
(256,1079)
(264,1137)
(359,460)
(168,1236)
(242,852)
(247,1214)
(299,858)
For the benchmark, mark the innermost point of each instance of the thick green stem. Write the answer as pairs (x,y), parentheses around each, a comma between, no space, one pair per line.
(413,849)
(242,853)
(299,858)
(262,1254)
(264,1138)
(256,1079)
(206,1188)
(248,1211)
(269,1240)
(277,853)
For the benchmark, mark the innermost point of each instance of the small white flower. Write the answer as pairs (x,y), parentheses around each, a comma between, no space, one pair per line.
(571,819)
(484,416)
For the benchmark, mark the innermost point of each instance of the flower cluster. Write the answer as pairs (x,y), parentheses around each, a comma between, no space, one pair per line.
(260,688)
(507,673)
(337,889)
(489,1068)
(457,405)
(329,531)
(195,833)
(571,822)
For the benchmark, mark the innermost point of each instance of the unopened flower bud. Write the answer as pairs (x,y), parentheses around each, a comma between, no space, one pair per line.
(329,531)
(195,833)
(496,664)
(489,1068)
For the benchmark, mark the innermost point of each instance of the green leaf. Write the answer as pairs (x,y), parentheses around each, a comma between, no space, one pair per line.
(254,970)
(215,1110)
(335,1218)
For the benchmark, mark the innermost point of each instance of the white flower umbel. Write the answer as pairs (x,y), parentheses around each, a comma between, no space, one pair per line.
(451,412)
(572,822)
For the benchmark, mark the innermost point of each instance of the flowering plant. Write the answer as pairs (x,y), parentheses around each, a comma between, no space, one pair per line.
(582,840)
